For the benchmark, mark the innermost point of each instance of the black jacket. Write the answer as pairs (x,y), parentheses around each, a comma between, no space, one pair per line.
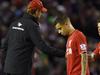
(23,36)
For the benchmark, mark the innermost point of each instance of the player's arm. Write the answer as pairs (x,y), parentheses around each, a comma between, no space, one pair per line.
(39,43)
(83,51)
(83,63)
(95,53)
(97,50)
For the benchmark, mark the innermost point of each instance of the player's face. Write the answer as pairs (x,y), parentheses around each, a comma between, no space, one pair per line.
(99,28)
(62,29)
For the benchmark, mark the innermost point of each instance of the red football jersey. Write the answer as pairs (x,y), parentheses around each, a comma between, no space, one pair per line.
(76,45)
(97,50)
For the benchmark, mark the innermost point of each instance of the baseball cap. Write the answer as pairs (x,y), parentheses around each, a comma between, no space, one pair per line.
(36,4)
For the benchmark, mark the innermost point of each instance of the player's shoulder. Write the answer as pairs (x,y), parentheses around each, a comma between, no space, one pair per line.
(25,21)
(80,34)
(77,34)
(28,22)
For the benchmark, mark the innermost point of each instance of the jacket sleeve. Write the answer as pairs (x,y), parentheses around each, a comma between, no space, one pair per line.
(34,33)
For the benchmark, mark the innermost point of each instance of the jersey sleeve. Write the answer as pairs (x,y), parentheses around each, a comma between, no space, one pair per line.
(96,52)
(82,45)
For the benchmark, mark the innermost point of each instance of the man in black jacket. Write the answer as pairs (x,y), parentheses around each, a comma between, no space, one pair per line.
(22,37)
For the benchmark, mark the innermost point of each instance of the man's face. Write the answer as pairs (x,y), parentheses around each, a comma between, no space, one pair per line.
(99,28)
(62,29)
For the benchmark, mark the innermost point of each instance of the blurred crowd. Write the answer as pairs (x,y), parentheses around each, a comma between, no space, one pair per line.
(83,14)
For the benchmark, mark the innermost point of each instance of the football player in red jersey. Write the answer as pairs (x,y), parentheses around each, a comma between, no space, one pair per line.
(76,48)
(96,52)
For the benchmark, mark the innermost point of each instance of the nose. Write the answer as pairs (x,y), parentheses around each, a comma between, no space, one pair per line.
(59,31)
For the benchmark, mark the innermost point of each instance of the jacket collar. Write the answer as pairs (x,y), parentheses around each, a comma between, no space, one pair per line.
(26,15)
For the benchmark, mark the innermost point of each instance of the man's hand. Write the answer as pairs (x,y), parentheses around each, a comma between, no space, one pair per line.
(91,56)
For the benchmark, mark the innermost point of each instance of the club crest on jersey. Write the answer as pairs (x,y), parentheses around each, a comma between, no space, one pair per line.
(83,47)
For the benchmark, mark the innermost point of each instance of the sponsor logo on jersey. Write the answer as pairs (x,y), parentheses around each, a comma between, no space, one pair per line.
(19,27)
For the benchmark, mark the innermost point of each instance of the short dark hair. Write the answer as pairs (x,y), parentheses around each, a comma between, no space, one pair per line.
(61,19)
(98,19)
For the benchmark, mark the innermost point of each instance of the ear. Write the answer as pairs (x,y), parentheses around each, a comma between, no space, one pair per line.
(57,25)
(98,24)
